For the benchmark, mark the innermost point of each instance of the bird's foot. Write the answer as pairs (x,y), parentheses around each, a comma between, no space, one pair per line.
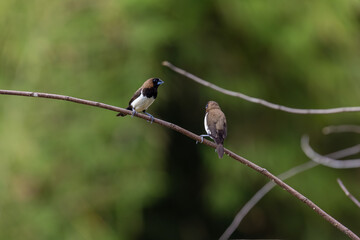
(151,116)
(202,138)
(133,113)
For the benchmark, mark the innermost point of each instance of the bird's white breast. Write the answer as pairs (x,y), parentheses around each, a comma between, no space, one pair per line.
(142,103)
(206,125)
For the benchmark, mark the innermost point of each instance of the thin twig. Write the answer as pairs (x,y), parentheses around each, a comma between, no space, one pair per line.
(270,185)
(258,100)
(195,137)
(347,193)
(257,197)
(341,129)
(327,161)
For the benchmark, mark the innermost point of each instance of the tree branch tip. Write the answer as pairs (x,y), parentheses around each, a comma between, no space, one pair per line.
(326,131)
(166,63)
(304,138)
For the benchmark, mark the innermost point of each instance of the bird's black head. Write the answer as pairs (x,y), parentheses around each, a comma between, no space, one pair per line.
(157,82)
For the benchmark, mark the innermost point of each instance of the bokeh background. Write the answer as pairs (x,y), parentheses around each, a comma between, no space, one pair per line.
(70,171)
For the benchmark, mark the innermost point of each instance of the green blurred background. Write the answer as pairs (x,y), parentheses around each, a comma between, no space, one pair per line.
(69,171)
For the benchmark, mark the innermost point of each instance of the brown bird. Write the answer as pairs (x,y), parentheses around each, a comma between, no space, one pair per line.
(215,126)
(144,97)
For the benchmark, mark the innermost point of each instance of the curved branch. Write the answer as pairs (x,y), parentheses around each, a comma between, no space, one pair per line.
(327,161)
(347,193)
(196,137)
(270,185)
(258,100)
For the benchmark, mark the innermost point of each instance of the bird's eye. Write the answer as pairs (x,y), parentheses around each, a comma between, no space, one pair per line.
(155,80)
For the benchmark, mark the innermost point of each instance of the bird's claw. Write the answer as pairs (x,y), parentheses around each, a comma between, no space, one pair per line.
(151,116)
(152,119)
(202,140)
(133,113)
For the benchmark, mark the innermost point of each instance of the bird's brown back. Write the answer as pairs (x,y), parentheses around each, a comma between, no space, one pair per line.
(216,122)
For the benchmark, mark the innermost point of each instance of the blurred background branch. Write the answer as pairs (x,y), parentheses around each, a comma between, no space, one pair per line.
(341,129)
(328,161)
(258,100)
(347,193)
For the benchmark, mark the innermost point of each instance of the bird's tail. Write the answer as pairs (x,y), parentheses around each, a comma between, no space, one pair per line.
(122,114)
(220,150)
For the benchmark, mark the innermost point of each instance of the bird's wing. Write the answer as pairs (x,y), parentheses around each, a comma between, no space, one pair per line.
(212,124)
(221,128)
(225,127)
(136,95)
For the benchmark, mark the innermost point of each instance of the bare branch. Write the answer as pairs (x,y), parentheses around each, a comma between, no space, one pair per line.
(258,100)
(195,137)
(270,185)
(347,193)
(258,196)
(341,129)
(327,161)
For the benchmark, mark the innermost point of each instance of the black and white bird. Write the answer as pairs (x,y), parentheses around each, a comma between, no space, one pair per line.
(144,97)
(215,126)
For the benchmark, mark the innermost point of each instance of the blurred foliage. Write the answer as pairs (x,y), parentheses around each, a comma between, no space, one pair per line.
(69,171)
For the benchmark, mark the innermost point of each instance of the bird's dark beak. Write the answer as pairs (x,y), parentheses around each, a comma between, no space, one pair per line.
(160,82)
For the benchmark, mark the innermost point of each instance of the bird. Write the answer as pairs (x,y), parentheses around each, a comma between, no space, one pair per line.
(144,97)
(215,126)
